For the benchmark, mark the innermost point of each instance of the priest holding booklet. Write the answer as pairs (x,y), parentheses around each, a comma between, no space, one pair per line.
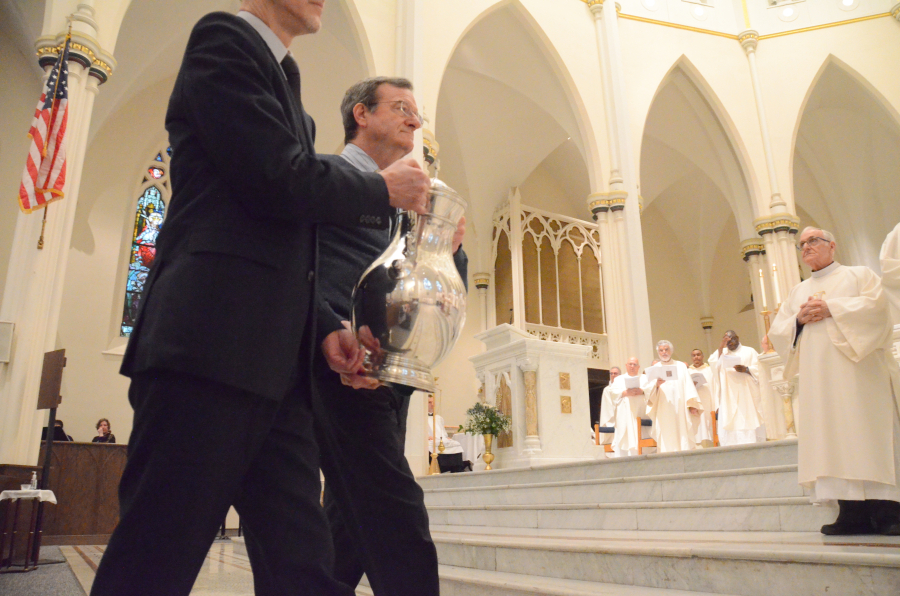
(675,407)
(629,398)
(735,387)
(701,375)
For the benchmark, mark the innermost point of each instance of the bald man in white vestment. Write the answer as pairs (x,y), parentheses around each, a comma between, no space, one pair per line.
(703,427)
(834,329)
(674,406)
(736,390)
(890,269)
(450,445)
(607,408)
(629,404)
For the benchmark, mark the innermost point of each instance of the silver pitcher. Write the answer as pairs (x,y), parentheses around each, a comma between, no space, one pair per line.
(410,305)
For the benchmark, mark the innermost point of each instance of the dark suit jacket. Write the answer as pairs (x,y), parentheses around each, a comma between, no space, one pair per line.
(232,285)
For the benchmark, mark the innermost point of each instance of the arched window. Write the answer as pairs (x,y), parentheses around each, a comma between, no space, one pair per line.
(150,214)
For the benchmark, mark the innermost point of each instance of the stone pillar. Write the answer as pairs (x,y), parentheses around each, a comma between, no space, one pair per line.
(515,249)
(707,324)
(529,367)
(610,261)
(623,197)
(781,270)
(749,40)
(410,55)
(754,255)
(482,282)
(36,278)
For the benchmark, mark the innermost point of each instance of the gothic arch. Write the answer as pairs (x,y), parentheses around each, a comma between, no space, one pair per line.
(846,145)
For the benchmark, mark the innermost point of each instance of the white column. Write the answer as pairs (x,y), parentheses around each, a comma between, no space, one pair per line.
(780,264)
(482,282)
(707,324)
(410,56)
(749,39)
(35,280)
(763,292)
(613,315)
(515,249)
(623,185)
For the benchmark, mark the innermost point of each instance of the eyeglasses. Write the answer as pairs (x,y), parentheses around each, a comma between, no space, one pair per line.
(404,109)
(810,242)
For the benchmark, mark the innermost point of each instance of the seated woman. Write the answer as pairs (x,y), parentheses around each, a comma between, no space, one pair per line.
(103,434)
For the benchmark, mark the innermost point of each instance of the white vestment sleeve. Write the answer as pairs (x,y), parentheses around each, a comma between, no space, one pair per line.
(890,267)
(857,326)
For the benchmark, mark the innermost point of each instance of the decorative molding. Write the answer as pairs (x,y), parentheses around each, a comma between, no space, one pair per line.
(706,322)
(482,280)
(778,222)
(632,17)
(895,11)
(565,404)
(836,24)
(752,247)
(748,40)
(83,49)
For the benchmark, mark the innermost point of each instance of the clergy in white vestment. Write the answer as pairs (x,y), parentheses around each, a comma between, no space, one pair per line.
(674,406)
(630,403)
(703,424)
(450,445)
(607,409)
(890,269)
(735,385)
(834,329)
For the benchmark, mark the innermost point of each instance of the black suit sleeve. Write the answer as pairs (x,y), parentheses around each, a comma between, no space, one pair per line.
(232,92)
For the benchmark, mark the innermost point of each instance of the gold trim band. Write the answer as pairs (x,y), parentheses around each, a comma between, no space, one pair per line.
(825,26)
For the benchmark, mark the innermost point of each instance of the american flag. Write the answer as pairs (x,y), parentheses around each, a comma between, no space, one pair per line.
(45,168)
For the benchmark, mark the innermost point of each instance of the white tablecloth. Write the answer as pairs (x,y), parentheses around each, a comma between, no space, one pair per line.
(472,446)
(41,495)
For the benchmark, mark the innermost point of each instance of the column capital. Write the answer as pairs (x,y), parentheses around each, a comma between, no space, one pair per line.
(748,40)
(777,222)
(527,364)
(596,7)
(482,280)
(83,50)
(706,323)
(752,247)
(895,11)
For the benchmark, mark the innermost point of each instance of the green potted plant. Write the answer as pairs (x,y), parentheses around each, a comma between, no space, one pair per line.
(486,420)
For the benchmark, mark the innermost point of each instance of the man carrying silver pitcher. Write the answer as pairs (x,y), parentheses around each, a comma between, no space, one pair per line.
(375,507)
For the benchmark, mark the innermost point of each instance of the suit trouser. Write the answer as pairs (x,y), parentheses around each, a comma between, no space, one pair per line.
(196,448)
(375,506)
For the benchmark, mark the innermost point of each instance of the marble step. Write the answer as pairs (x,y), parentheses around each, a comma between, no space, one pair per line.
(463,581)
(772,453)
(776,564)
(771,514)
(769,481)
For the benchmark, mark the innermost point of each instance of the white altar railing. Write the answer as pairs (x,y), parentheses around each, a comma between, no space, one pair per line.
(597,341)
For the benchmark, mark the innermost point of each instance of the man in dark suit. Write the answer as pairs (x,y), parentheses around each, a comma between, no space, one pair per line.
(375,506)
(220,353)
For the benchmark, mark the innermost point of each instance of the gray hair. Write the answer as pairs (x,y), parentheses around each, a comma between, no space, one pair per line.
(615,367)
(664,342)
(825,233)
(366,93)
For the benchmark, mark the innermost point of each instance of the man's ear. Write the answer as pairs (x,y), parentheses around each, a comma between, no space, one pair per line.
(360,114)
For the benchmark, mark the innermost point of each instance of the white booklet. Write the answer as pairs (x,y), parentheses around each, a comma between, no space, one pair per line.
(632,382)
(729,360)
(698,378)
(667,372)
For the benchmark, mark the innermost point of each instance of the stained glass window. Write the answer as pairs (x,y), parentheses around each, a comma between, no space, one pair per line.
(150,213)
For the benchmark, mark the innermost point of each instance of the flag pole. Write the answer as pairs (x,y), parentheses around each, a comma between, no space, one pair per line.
(40,244)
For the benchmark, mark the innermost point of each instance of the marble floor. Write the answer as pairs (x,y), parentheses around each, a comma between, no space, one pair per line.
(224,573)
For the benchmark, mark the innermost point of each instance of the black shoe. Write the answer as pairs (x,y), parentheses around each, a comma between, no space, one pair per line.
(885,516)
(853,519)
